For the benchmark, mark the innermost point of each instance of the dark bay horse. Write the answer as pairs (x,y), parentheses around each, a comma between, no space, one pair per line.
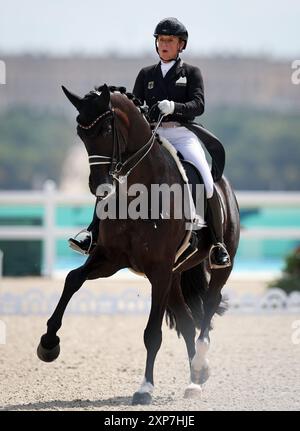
(113,129)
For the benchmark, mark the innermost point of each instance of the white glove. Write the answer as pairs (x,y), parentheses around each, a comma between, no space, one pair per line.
(166,107)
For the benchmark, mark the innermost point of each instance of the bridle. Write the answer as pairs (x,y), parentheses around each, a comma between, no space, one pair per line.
(115,161)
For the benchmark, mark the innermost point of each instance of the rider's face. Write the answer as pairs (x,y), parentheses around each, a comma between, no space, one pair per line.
(168,47)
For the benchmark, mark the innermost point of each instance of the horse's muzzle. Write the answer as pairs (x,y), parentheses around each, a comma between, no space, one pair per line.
(105,191)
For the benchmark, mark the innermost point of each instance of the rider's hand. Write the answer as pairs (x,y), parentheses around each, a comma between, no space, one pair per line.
(166,107)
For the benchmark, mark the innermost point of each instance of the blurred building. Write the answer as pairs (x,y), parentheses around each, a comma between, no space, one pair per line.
(231,81)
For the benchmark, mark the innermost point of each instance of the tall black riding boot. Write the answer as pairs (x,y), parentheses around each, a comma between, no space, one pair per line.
(218,255)
(86,245)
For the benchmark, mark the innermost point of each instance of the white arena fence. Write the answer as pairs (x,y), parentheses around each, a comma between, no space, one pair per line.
(85,302)
(130,302)
(50,198)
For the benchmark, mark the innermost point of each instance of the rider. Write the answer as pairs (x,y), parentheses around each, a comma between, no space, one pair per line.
(175,89)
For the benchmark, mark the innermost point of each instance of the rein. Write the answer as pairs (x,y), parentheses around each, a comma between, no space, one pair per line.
(142,152)
(115,160)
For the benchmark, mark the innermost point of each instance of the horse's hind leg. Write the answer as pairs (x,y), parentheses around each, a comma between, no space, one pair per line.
(211,304)
(48,349)
(186,326)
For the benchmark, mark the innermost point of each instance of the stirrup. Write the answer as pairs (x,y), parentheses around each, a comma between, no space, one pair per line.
(213,265)
(77,248)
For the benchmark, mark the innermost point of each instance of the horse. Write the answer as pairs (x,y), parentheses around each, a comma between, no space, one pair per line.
(112,129)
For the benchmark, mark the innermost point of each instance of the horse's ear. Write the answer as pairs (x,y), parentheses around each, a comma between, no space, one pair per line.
(105,95)
(75,100)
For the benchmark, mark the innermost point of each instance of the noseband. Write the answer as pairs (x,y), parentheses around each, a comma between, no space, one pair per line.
(104,115)
(115,161)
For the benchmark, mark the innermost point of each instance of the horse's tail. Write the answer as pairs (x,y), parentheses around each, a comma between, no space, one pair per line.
(194,286)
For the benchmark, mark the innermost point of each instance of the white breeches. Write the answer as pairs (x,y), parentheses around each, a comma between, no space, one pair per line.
(187,143)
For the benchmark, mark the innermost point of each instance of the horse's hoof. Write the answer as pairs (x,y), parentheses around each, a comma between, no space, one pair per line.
(193,391)
(204,375)
(143,398)
(48,355)
(201,376)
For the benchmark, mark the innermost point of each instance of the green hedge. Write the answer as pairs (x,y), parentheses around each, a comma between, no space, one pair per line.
(290,280)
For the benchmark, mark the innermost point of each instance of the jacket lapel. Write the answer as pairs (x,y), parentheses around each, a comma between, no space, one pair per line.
(175,71)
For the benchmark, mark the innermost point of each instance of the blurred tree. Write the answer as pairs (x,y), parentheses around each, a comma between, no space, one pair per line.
(290,279)
(262,147)
(33,146)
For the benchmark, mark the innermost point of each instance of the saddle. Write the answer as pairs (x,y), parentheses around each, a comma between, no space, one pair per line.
(193,178)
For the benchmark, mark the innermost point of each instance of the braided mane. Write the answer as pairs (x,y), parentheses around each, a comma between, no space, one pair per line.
(122,90)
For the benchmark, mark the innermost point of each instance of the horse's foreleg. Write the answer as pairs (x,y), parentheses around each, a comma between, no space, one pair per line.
(48,349)
(160,279)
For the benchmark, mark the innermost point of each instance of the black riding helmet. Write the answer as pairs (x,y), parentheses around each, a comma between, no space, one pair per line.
(172,27)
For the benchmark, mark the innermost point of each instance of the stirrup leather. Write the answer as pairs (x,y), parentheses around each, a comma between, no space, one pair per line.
(77,248)
(198,222)
(213,265)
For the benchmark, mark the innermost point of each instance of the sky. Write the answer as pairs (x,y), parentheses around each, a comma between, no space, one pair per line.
(125,28)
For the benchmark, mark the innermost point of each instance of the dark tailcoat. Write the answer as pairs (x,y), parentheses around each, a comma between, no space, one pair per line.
(183,84)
